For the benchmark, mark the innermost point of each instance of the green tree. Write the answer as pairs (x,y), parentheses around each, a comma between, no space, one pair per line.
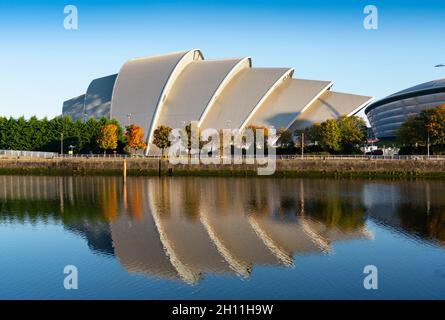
(161,138)
(193,136)
(330,135)
(312,133)
(353,132)
(3,126)
(286,138)
(45,135)
(412,131)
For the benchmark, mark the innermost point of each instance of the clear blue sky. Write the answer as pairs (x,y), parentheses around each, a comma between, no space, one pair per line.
(42,64)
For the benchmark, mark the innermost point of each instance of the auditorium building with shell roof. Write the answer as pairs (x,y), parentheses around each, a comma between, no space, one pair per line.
(177,88)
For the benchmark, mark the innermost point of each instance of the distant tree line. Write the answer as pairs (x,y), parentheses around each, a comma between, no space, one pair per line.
(344,135)
(92,136)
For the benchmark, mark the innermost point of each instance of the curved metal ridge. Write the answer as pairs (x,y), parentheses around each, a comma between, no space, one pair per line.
(403,96)
(179,67)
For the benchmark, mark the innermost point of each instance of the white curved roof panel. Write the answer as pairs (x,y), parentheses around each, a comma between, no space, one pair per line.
(196,88)
(242,96)
(142,84)
(287,102)
(331,105)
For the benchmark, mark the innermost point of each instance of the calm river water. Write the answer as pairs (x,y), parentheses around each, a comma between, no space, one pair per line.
(220,238)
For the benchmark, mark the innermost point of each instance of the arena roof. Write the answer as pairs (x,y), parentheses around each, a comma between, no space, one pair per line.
(431,87)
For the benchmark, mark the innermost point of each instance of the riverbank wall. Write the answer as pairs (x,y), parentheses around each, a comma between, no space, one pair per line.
(364,168)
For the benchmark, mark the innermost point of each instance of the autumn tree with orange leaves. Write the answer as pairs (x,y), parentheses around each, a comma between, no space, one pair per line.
(435,124)
(429,124)
(107,138)
(135,137)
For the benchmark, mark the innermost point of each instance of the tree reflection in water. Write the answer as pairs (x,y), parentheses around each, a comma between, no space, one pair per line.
(185,228)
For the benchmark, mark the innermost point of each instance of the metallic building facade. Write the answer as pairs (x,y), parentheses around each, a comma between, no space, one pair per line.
(387,115)
(177,88)
(98,97)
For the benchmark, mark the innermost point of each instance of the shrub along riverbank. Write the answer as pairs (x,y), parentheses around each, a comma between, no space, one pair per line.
(337,168)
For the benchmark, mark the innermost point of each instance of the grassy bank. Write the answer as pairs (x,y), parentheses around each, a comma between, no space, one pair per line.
(345,168)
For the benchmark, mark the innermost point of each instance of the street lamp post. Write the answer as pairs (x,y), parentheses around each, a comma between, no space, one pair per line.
(428,143)
(129,118)
(302,144)
(187,138)
(229,127)
(61,143)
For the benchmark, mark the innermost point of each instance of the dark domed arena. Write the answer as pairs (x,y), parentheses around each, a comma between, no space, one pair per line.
(388,114)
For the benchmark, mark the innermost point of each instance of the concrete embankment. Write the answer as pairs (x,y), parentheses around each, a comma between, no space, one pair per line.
(363,168)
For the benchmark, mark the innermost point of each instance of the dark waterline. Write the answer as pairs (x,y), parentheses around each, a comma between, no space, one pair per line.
(221,238)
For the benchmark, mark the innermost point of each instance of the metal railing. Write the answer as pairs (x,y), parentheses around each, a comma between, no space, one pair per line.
(26,154)
(47,155)
(339,157)
(362,157)
(95,156)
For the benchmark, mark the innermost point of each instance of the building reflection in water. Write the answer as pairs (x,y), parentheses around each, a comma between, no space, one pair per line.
(185,228)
